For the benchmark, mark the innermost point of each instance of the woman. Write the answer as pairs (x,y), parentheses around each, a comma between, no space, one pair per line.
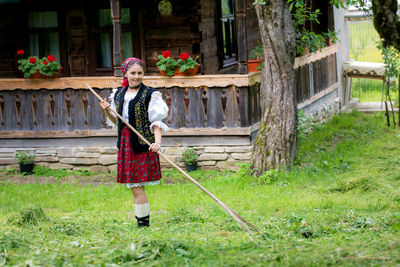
(143,107)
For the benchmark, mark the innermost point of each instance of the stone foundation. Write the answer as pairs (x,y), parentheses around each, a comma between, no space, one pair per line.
(104,159)
(325,112)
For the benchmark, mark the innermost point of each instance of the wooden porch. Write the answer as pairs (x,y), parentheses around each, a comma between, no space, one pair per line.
(64,107)
(206,105)
(216,114)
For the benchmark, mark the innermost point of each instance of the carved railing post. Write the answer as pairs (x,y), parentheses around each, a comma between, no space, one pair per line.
(116,21)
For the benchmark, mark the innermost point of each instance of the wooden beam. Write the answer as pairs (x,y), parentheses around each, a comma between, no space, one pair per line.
(116,21)
(317,96)
(241,35)
(182,132)
(142,37)
(324,52)
(218,80)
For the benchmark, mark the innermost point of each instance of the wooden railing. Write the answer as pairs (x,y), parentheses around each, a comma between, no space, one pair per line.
(315,73)
(200,101)
(212,102)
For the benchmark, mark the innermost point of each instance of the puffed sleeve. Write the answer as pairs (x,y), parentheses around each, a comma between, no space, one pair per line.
(112,103)
(158,110)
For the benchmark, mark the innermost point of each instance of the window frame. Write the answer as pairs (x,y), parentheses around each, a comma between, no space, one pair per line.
(41,34)
(125,28)
(231,57)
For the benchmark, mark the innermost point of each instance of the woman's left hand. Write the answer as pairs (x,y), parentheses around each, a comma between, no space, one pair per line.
(154,147)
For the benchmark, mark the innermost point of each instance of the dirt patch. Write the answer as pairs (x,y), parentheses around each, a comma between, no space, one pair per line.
(17,179)
(336,140)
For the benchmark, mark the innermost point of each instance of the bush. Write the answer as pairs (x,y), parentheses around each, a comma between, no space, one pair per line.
(304,125)
(189,156)
(23,157)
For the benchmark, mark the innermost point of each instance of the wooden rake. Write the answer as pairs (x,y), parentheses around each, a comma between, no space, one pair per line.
(240,220)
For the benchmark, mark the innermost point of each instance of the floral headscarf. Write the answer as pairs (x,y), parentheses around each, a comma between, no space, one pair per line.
(125,65)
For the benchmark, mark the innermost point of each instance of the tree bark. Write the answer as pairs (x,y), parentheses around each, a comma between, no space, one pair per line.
(386,21)
(275,146)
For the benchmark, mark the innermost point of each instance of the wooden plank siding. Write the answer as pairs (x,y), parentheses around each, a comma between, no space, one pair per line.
(252,30)
(76,109)
(315,73)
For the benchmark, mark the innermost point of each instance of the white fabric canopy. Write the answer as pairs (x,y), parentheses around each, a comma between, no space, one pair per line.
(363,68)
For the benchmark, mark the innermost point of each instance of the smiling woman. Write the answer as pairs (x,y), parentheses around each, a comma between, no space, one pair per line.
(138,164)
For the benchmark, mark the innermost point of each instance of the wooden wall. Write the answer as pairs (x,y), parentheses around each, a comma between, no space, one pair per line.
(208,46)
(10,40)
(76,109)
(46,110)
(314,77)
(177,33)
(252,29)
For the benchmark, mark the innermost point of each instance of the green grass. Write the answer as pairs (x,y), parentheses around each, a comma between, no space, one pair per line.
(363,40)
(369,90)
(338,205)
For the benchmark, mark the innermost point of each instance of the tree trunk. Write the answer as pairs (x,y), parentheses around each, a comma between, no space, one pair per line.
(386,22)
(275,145)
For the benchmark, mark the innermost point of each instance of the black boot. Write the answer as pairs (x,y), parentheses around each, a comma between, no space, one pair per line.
(144,221)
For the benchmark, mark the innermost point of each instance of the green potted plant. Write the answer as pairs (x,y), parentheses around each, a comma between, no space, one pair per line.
(190,156)
(25,161)
(166,64)
(256,58)
(187,65)
(35,68)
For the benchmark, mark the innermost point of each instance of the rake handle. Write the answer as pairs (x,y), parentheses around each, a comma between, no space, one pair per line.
(223,205)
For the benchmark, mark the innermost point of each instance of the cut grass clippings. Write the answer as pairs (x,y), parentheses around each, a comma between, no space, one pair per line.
(338,205)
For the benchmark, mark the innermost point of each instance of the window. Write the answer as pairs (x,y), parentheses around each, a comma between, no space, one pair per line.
(227,32)
(104,34)
(43,34)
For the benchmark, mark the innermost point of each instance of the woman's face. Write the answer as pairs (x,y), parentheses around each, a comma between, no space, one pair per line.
(135,75)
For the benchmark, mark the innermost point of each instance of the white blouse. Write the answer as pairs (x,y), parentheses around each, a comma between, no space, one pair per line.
(157,111)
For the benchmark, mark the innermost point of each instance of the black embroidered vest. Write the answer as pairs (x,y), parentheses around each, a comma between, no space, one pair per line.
(138,117)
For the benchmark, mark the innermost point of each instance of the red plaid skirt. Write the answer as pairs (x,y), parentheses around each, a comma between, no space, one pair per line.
(136,168)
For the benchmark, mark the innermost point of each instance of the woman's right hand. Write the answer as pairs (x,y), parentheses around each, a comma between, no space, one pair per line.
(104,104)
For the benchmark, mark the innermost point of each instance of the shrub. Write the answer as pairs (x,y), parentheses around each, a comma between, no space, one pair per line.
(257,52)
(189,156)
(23,157)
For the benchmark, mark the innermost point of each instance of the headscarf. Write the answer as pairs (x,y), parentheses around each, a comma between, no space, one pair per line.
(125,65)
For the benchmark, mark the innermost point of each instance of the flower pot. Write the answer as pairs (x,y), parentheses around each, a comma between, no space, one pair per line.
(26,168)
(253,64)
(38,75)
(188,72)
(191,167)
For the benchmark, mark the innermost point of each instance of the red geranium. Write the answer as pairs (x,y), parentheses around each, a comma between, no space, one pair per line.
(166,54)
(166,63)
(20,52)
(184,56)
(51,58)
(46,66)
(186,62)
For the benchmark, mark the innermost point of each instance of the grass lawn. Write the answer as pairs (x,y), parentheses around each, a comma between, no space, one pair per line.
(363,40)
(338,205)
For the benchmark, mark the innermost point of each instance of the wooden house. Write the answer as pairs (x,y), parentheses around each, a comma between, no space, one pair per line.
(216,111)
